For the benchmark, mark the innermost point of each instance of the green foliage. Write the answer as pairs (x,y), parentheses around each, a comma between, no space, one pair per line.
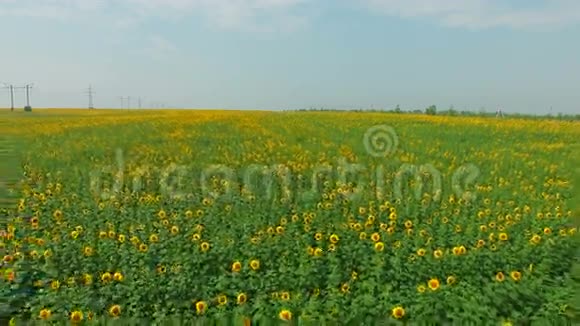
(431,110)
(321,256)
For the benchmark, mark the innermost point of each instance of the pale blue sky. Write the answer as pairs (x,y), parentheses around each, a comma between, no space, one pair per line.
(276,54)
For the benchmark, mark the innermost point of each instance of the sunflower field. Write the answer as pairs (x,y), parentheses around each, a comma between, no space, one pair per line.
(311,218)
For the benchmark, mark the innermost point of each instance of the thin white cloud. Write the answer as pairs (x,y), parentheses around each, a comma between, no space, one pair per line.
(283,15)
(160,48)
(228,14)
(50,9)
(162,45)
(478,14)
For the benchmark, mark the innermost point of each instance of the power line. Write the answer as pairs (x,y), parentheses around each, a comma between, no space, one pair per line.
(11,97)
(11,90)
(157,105)
(90,93)
(128,99)
(122,98)
(26,87)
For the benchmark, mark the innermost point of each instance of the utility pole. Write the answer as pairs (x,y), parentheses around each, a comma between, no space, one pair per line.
(27,95)
(28,87)
(122,102)
(11,90)
(11,97)
(128,102)
(90,93)
(139,102)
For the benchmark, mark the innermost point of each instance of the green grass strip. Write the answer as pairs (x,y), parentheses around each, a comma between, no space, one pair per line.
(9,168)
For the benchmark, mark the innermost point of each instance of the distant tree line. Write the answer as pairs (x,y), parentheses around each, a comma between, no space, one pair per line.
(432,110)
